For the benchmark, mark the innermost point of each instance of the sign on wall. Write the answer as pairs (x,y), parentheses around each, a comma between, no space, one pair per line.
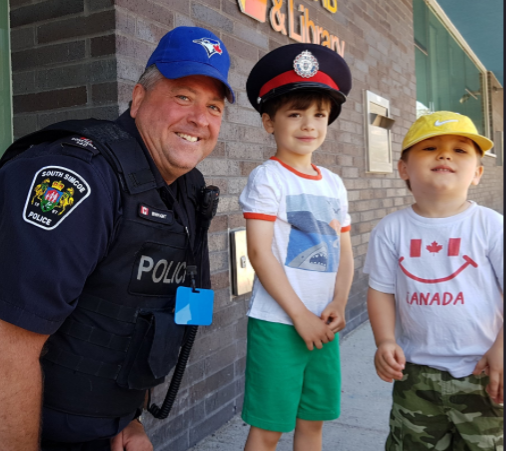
(292,21)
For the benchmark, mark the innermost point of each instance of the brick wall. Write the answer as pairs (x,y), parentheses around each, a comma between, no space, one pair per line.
(81,58)
(63,61)
(380,52)
(490,190)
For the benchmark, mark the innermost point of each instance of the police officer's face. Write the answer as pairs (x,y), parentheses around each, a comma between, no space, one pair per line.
(179,121)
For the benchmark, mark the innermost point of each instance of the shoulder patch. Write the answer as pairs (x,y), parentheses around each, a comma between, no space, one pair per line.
(54,194)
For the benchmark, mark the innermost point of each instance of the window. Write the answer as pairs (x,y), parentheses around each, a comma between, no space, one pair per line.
(446,76)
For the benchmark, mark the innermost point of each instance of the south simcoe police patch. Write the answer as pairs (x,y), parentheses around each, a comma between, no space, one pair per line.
(55,193)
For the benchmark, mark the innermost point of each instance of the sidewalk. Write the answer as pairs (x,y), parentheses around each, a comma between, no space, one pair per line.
(365,406)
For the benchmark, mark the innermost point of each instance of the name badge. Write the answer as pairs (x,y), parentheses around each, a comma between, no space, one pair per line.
(194,308)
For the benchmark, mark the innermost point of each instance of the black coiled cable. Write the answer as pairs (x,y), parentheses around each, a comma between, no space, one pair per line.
(207,210)
(163,412)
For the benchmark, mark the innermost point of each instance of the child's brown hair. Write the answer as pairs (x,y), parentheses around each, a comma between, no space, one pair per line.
(299,100)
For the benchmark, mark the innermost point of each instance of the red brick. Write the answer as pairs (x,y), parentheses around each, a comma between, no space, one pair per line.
(219,223)
(247,167)
(236,46)
(220,280)
(236,221)
(154,11)
(218,151)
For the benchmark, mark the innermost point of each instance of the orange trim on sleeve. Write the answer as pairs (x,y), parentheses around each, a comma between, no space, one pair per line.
(259,216)
(346,229)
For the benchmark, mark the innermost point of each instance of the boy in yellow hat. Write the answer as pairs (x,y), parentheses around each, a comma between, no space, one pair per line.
(435,295)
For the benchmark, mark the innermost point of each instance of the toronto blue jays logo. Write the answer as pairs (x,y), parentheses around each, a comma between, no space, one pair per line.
(212,46)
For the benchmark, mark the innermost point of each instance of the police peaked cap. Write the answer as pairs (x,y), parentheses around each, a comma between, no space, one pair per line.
(292,67)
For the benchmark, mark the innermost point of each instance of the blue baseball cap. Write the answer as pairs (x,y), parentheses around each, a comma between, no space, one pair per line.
(186,51)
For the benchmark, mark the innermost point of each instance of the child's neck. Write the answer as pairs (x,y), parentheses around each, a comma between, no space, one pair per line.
(440,206)
(301,163)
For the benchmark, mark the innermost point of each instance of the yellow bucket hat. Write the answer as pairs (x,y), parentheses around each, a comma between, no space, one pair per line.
(444,123)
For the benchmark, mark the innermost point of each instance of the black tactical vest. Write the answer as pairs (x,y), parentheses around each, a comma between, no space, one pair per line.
(121,338)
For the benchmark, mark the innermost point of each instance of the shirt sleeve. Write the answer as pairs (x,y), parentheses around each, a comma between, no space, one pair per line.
(380,261)
(346,225)
(496,250)
(49,252)
(261,197)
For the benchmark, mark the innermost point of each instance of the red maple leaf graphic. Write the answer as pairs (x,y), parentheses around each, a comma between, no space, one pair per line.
(434,247)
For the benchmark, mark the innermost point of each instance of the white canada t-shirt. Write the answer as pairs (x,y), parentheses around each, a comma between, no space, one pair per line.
(447,278)
(309,214)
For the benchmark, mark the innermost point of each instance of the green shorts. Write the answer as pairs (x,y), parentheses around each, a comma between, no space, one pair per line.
(286,381)
(434,410)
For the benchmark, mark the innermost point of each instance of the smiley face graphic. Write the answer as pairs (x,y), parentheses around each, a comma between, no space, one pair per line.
(434,247)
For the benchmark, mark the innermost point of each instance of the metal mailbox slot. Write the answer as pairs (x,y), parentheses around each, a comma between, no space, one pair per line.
(377,130)
(240,267)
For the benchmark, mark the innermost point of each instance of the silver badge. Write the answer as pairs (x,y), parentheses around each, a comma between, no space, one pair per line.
(305,64)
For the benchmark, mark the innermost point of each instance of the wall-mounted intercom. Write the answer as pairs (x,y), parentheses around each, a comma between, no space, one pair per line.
(377,132)
(241,270)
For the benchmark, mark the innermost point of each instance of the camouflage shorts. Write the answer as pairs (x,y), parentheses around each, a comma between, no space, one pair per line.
(434,410)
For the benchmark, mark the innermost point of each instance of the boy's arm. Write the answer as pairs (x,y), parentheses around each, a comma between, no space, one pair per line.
(492,363)
(259,236)
(389,359)
(335,311)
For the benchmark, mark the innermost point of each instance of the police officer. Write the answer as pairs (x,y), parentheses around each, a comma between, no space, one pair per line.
(99,224)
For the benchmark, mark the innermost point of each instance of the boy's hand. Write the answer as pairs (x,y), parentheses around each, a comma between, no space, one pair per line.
(389,361)
(312,330)
(333,315)
(492,364)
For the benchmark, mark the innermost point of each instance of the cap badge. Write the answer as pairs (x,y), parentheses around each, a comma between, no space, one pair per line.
(212,46)
(305,64)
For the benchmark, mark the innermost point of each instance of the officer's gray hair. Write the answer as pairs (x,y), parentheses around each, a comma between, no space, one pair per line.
(150,77)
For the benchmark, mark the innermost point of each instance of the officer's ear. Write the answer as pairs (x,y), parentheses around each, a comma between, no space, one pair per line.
(138,94)
(268,123)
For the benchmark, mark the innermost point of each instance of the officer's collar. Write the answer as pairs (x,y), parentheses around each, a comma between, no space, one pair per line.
(127,123)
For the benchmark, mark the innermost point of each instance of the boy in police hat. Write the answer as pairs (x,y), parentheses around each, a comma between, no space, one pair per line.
(298,232)
(435,295)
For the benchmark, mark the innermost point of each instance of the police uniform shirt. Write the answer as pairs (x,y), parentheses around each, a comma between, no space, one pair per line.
(47,257)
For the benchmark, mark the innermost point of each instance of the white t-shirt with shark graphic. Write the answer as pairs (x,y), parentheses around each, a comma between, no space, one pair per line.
(447,278)
(309,215)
